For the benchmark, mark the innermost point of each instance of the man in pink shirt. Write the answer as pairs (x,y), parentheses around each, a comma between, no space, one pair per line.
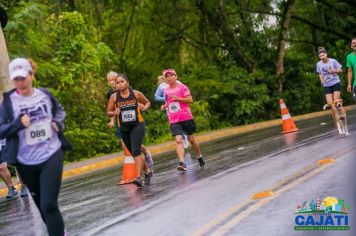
(180,117)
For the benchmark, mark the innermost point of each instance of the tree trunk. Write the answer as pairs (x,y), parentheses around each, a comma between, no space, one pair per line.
(286,17)
(4,62)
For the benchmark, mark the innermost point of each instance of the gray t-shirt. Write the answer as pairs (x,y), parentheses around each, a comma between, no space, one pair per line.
(322,68)
(39,141)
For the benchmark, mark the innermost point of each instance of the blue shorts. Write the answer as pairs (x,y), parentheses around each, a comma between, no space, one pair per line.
(331,89)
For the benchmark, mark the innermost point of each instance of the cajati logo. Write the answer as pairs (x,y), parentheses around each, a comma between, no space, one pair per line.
(327,213)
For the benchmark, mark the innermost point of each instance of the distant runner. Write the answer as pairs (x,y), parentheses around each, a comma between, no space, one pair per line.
(329,70)
(127,104)
(180,117)
(160,97)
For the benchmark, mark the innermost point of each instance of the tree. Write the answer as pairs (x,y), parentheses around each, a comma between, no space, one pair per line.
(286,17)
(4,57)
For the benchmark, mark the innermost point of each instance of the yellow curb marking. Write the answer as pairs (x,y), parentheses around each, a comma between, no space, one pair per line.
(91,167)
(262,194)
(4,191)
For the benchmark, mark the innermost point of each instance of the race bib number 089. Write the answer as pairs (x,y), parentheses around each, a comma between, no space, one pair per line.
(38,133)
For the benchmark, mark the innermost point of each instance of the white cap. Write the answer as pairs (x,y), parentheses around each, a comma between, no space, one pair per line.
(19,67)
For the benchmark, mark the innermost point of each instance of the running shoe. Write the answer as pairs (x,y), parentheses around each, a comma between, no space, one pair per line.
(182,167)
(12,193)
(148,177)
(185,141)
(149,160)
(24,191)
(201,161)
(138,181)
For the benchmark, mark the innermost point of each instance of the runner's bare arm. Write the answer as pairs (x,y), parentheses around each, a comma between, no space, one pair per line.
(187,99)
(349,79)
(111,110)
(143,102)
(321,79)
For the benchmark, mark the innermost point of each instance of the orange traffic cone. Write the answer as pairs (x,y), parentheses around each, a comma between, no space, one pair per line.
(287,121)
(129,172)
(127,152)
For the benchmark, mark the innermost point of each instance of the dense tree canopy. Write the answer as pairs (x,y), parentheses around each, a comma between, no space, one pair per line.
(237,57)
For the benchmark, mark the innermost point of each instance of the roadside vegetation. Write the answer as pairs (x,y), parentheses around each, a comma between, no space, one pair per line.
(237,57)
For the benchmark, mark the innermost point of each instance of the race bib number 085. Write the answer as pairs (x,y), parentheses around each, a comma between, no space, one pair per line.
(38,133)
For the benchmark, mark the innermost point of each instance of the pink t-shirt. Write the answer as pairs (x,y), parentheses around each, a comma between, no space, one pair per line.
(177,111)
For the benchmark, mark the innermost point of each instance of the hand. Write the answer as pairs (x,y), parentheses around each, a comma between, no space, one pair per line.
(349,88)
(55,127)
(117,112)
(175,98)
(25,120)
(163,107)
(142,107)
(111,124)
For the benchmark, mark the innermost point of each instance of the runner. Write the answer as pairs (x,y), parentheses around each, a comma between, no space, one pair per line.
(180,117)
(127,105)
(351,71)
(329,70)
(30,120)
(111,77)
(160,97)
(6,176)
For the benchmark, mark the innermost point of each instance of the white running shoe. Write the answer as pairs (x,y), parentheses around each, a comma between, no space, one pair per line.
(185,141)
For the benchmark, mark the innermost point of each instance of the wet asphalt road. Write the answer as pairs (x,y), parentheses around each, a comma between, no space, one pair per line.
(181,204)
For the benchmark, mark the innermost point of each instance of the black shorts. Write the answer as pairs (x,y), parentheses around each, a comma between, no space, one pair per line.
(332,89)
(187,126)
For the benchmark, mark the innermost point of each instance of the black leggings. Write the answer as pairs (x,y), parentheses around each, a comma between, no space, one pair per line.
(133,139)
(44,182)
